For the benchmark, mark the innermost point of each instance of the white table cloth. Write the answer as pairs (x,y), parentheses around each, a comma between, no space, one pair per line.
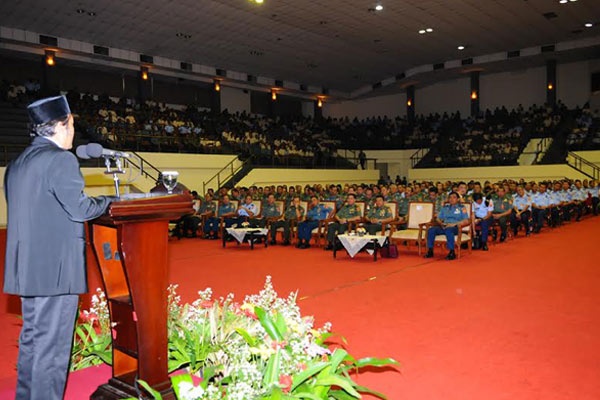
(354,243)
(240,233)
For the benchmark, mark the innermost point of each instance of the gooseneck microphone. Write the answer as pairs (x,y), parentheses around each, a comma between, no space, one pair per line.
(94,150)
(81,152)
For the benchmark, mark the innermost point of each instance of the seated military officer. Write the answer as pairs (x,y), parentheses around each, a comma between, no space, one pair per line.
(270,212)
(295,212)
(502,210)
(579,196)
(482,210)
(593,191)
(566,200)
(247,211)
(316,213)
(378,216)
(540,204)
(226,209)
(452,217)
(348,213)
(521,211)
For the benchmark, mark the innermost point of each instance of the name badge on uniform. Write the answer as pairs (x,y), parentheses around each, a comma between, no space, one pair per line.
(457,211)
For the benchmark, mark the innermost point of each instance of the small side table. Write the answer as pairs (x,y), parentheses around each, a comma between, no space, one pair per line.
(353,244)
(245,235)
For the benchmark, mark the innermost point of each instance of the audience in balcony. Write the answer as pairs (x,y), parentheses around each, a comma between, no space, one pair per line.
(493,138)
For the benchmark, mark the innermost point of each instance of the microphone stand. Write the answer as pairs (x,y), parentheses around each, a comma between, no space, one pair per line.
(115,173)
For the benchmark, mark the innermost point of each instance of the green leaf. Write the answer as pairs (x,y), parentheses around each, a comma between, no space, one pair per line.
(334,380)
(301,377)
(154,393)
(272,371)
(306,395)
(375,362)
(337,357)
(340,395)
(267,323)
(363,389)
(247,337)
(281,324)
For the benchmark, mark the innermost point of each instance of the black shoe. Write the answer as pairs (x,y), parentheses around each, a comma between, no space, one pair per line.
(273,242)
(502,237)
(429,253)
(451,255)
(286,243)
(484,247)
(329,247)
(299,244)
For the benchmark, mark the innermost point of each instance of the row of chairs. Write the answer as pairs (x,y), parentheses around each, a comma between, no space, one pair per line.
(410,230)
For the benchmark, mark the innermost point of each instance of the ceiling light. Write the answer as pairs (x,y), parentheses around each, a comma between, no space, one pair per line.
(589,25)
(429,30)
(422,31)
(378,7)
(258,1)
(563,1)
(461,47)
(50,58)
(572,1)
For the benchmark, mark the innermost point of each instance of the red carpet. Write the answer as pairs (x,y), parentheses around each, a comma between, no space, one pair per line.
(518,322)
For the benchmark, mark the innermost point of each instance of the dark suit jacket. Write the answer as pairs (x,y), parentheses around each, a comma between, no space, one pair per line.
(45,246)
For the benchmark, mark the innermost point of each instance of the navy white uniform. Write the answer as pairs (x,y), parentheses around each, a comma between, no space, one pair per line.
(480,211)
(521,204)
(449,214)
(539,200)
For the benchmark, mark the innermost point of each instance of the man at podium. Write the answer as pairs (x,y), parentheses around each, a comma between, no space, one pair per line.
(45,247)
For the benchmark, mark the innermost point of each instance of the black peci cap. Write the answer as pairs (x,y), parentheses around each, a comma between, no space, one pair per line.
(48,109)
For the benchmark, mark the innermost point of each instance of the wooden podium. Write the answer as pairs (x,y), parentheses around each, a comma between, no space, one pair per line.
(130,245)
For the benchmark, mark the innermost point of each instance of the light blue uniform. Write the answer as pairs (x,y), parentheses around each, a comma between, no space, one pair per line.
(481,211)
(521,202)
(449,214)
(542,199)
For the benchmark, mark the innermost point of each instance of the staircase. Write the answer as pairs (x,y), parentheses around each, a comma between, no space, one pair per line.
(234,171)
(534,151)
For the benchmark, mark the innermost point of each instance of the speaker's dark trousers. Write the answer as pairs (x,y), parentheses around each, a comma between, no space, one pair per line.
(45,346)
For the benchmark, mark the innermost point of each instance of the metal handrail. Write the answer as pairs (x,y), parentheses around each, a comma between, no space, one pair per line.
(141,168)
(579,163)
(416,157)
(217,176)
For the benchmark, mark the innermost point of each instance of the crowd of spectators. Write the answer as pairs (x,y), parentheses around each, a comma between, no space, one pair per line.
(493,138)
(585,134)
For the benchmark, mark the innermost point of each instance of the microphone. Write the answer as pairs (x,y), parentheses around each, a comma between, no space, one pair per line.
(95,150)
(81,152)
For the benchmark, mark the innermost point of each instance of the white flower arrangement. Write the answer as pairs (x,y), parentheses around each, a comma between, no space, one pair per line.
(262,348)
